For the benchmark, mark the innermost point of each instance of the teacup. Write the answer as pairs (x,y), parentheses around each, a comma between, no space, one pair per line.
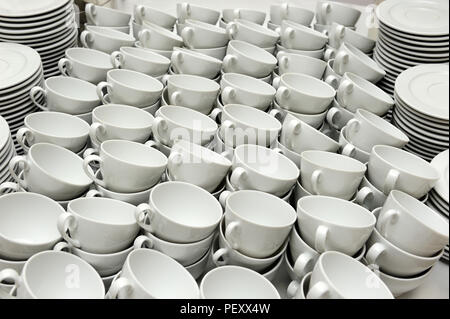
(193,92)
(202,35)
(234,282)
(149,274)
(299,37)
(153,36)
(259,168)
(201,213)
(66,95)
(195,12)
(392,168)
(354,93)
(195,164)
(299,136)
(351,59)
(178,122)
(293,156)
(300,192)
(314,120)
(296,63)
(218,53)
(164,53)
(302,93)
(104,16)
(252,33)
(412,225)
(71,278)
(286,11)
(57,128)
(120,122)
(186,61)
(348,149)
(248,59)
(254,16)
(141,60)
(328,12)
(52,171)
(318,54)
(338,116)
(85,64)
(358,40)
(105,40)
(130,88)
(126,166)
(243,89)
(162,18)
(124,29)
(197,269)
(28,225)
(330,76)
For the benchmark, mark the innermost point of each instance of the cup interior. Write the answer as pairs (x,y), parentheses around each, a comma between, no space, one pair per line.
(308,85)
(252,117)
(253,52)
(90,57)
(123,116)
(134,153)
(146,55)
(247,83)
(104,210)
(57,124)
(334,161)
(193,83)
(185,117)
(135,80)
(72,88)
(370,88)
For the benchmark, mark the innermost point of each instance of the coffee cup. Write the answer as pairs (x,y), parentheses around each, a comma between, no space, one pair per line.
(295,63)
(141,60)
(253,33)
(338,116)
(195,12)
(218,53)
(104,16)
(254,16)
(287,11)
(202,35)
(186,61)
(145,13)
(328,12)
(358,40)
(336,33)
(299,37)
(348,149)
(330,76)
(314,120)
(155,37)
(105,39)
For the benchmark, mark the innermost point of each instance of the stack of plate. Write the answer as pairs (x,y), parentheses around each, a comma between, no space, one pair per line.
(20,70)
(421,108)
(411,32)
(48,26)
(438,196)
(7,150)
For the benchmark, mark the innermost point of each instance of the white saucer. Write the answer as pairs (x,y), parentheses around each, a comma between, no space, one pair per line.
(410,57)
(440,163)
(418,43)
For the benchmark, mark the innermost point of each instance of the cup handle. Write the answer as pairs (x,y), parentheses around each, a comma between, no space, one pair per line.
(93,193)
(86,167)
(318,291)
(320,241)
(216,114)
(232,29)
(139,14)
(186,34)
(33,92)
(391,216)
(23,136)
(391,180)
(143,241)
(9,275)
(374,253)
(276,114)
(66,224)
(144,37)
(353,127)
(315,180)
(86,39)
(15,164)
(159,129)
(228,129)
(343,91)
(120,288)
(288,35)
(237,177)
(117,59)
(164,79)
(221,253)
(364,194)
(339,62)
(175,98)
(329,54)
(301,265)
(89,151)
(90,13)
(333,81)
(177,59)
(293,289)
(95,130)
(331,117)
(62,246)
(223,198)
(144,215)
(100,87)
(175,159)
(282,95)
(325,9)
(151,143)
(228,95)
(228,62)
(9,187)
(65,66)
(294,128)
(231,232)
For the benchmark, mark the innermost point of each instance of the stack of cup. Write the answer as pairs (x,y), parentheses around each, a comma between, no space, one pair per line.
(408,240)
(338,34)
(185,61)
(158,39)
(229,15)
(144,13)
(286,11)
(107,18)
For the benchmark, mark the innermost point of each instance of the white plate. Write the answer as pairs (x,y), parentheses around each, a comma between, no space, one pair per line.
(19,86)
(20,93)
(412,47)
(440,163)
(24,8)
(34,36)
(411,35)
(438,209)
(417,121)
(68,18)
(422,17)
(4,133)
(21,113)
(394,70)
(428,55)
(396,38)
(7,112)
(409,57)
(60,46)
(438,204)
(427,117)
(421,135)
(17,64)
(395,62)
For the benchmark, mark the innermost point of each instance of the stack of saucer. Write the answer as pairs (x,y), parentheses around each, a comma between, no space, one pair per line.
(411,33)
(46,26)
(6,150)
(20,70)
(422,108)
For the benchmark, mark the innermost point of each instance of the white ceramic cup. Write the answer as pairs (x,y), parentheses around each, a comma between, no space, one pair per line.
(66,95)
(201,213)
(259,168)
(248,59)
(202,35)
(195,12)
(52,171)
(141,60)
(28,225)
(198,268)
(186,61)
(330,174)
(218,53)
(120,122)
(256,235)
(104,16)
(299,37)
(287,11)
(85,64)
(358,40)
(153,36)
(252,33)
(367,130)
(336,33)
(350,59)
(130,88)
(105,39)
(164,53)
(302,93)
(348,149)
(330,76)
(296,63)
(254,16)
(127,166)
(162,18)
(314,120)
(193,92)
(198,165)
(234,282)
(354,93)
(412,225)
(318,54)
(328,12)
(150,274)
(338,276)
(56,268)
(303,256)
(178,122)
(338,116)
(299,136)
(57,128)
(328,223)
(392,168)
(243,89)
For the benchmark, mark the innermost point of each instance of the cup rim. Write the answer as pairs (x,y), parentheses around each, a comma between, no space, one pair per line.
(122,107)
(110,33)
(310,78)
(226,80)
(160,59)
(159,86)
(255,27)
(180,245)
(50,80)
(69,51)
(191,78)
(276,124)
(189,147)
(332,157)
(193,112)
(266,55)
(199,55)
